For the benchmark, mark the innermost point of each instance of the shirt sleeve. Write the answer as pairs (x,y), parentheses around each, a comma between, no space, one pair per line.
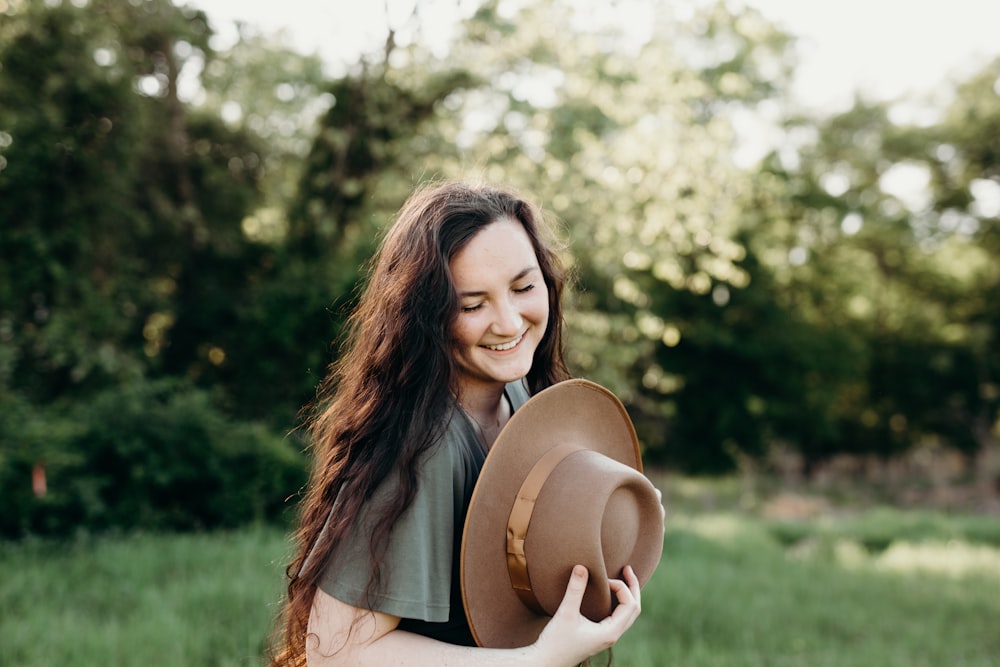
(415,576)
(418,577)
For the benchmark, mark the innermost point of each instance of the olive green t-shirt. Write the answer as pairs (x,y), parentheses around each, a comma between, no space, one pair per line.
(419,576)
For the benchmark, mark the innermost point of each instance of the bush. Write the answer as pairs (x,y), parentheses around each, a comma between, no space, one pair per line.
(152,455)
(29,437)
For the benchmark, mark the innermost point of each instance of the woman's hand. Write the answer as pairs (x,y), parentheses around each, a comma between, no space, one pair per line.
(570,637)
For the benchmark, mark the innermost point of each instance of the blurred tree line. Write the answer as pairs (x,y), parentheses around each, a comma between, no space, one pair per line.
(183,227)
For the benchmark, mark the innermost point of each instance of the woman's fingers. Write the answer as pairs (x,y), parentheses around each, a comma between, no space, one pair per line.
(569,633)
(659,498)
(632,580)
(628,594)
(574,591)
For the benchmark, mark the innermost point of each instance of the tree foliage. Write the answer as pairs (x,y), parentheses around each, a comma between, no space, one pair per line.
(185,227)
(123,258)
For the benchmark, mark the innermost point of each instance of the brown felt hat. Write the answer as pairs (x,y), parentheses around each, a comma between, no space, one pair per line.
(562,485)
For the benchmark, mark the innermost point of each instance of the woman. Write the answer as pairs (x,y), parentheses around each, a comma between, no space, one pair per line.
(461,320)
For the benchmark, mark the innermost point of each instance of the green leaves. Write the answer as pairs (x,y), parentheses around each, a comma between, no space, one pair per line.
(173,211)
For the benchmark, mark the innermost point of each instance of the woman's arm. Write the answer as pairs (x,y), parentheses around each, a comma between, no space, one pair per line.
(340,634)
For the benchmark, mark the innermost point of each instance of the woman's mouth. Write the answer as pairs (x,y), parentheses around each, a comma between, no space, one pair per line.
(503,347)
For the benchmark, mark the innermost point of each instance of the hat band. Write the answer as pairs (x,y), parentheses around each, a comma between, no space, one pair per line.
(520,519)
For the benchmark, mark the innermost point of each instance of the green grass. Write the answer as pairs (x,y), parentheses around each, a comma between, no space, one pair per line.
(149,600)
(729,593)
(883,588)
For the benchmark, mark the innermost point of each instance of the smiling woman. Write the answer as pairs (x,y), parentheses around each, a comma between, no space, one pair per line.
(459,324)
(503,318)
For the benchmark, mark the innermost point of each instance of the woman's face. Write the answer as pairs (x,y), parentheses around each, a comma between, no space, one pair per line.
(503,306)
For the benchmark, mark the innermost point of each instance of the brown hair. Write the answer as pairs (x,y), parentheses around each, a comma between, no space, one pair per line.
(384,401)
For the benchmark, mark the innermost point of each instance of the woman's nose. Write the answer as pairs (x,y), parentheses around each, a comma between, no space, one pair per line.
(508,320)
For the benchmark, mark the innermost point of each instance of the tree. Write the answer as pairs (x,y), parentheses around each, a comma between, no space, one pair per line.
(897,269)
(962,155)
(654,236)
(629,145)
(106,191)
(123,256)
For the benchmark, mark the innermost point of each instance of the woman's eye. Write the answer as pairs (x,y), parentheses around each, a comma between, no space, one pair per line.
(526,288)
(471,309)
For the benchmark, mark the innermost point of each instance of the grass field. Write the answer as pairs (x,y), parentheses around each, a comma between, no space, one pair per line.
(146,600)
(879,588)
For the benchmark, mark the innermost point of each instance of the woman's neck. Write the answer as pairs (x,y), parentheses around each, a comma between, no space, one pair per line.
(489,411)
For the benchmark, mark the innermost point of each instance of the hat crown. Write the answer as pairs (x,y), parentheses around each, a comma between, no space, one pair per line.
(594,511)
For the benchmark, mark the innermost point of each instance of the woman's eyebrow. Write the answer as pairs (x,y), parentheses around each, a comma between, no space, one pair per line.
(520,274)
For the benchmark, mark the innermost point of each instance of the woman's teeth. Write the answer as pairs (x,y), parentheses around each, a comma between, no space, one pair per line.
(504,346)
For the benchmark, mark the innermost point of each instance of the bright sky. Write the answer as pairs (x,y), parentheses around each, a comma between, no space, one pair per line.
(886,48)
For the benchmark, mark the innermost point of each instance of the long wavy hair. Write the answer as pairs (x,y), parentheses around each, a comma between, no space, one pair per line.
(387,397)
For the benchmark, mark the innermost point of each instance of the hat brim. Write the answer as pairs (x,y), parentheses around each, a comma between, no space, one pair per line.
(577,411)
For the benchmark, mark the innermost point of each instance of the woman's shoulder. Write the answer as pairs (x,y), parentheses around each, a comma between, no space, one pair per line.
(457,444)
